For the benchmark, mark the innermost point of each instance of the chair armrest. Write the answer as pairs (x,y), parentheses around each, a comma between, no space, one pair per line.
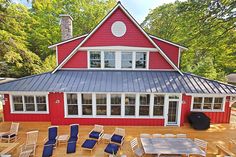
(101,133)
(90,131)
(45,139)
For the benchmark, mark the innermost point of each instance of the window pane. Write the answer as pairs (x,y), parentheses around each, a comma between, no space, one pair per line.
(95,59)
(29,107)
(207,106)
(158,100)
(141,60)
(71,98)
(42,107)
(130,110)
(109,59)
(115,110)
(144,99)
(17,99)
(18,107)
(208,100)
(158,111)
(130,99)
(218,100)
(101,99)
(87,109)
(29,99)
(126,59)
(72,109)
(197,106)
(101,110)
(41,99)
(86,98)
(115,99)
(144,110)
(197,99)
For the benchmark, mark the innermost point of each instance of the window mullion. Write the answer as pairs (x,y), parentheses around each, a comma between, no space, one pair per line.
(102,60)
(134,60)
(35,104)
(23,101)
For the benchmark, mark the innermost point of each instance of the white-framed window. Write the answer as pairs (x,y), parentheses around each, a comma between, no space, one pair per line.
(72,104)
(115,104)
(141,60)
(124,60)
(207,103)
(158,106)
(87,108)
(101,104)
(144,104)
(130,100)
(29,103)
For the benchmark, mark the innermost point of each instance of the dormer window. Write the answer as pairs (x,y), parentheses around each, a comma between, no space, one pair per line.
(124,60)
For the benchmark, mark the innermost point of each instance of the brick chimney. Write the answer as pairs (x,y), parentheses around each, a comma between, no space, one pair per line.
(66,27)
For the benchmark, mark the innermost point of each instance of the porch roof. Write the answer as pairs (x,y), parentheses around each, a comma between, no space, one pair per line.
(117,81)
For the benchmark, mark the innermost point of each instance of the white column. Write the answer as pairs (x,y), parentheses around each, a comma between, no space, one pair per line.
(166,106)
(133,60)
(118,59)
(122,105)
(151,105)
(79,105)
(108,104)
(137,105)
(102,59)
(94,104)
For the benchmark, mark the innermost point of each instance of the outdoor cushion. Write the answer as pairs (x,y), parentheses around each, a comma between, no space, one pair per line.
(74,130)
(73,139)
(50,142)
(52,133)
(112,148)
(71,147)
(6,136)
(47,150)
(94,134)
(116,138)
(89,144)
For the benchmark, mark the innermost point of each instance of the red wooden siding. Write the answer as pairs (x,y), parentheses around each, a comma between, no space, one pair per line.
(65,49)
(216,117)
(79,60)
(8,116)
(170,50)
(156,61)
(104,37)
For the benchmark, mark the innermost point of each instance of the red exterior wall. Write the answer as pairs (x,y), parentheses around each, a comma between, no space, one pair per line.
(170,50)
(79,60)
(65,49)
(156,61)
(216,117)
(21,117)
(133,36)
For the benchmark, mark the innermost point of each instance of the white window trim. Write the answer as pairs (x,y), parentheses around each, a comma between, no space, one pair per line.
(118,59)
(23,99)
(207,110)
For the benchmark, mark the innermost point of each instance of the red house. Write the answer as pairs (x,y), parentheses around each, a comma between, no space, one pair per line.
(116,75)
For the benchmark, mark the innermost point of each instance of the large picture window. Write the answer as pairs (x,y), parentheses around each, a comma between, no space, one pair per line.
(109,60)
(141,59)
(29,103)
(208,103)
(95,59)
(158,107)
(101,102)
(87,104)
(72,104)
(130,104)
(116,104)
(144,101)
(126,60)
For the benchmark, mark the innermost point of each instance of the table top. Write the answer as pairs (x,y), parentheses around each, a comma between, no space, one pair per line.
(170,146)
(7,147)
(63,137)
(106,136)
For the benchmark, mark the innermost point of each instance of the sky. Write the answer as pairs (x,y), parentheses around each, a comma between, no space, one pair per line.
(139,9)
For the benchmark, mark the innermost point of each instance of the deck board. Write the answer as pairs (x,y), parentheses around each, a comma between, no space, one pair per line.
(218,133)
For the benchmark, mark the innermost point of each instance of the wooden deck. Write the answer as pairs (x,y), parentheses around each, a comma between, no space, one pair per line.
(218,133)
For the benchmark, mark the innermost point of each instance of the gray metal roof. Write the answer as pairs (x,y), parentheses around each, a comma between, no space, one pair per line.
(118,81)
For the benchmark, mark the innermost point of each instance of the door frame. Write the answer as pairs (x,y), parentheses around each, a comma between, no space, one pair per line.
(179,109)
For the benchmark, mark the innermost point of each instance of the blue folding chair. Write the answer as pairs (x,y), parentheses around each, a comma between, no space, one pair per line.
(71,144)
(50,142)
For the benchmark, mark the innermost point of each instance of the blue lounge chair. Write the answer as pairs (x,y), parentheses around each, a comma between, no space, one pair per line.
(111,149)
(96,133)
(118,136)
(89,144)
(47,150)
(50,142)
(71,145)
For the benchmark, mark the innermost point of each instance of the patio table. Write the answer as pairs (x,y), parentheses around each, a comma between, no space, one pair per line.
(182,146)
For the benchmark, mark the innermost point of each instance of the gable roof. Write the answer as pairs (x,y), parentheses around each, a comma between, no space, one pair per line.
(119,5)
(125,81)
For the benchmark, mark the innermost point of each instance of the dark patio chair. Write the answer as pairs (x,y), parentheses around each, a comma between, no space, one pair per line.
(71,144)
